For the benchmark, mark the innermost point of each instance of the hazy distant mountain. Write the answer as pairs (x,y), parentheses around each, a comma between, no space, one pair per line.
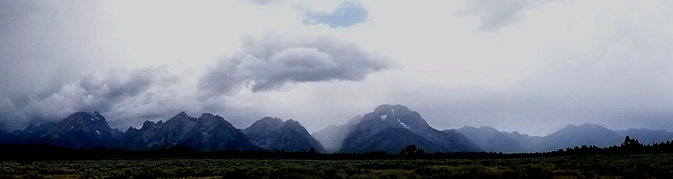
(392,127)
(274,134)
(529,143)
(492,140)
(206,133)
(646,136)
(585,134)
(332,137)
(80,130)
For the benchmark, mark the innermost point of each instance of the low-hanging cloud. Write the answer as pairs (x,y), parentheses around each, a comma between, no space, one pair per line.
(109,94)
(272,61)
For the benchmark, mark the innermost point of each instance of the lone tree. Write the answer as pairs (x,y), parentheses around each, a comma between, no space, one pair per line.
(628,141)
(411,150)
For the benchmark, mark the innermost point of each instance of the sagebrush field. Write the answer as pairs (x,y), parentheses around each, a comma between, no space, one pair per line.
(616,166)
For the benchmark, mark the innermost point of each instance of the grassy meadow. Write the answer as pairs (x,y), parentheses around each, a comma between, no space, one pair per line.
(615,166)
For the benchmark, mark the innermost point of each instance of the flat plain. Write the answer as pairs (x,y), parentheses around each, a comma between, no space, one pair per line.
(593,166)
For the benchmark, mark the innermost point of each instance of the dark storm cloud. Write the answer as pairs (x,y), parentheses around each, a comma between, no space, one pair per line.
(272,61)
(106,94)
(120,84)
(346,14)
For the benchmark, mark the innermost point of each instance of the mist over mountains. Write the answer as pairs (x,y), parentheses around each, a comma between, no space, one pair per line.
(387,128)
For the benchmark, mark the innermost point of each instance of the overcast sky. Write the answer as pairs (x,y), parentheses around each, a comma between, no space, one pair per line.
(532,66)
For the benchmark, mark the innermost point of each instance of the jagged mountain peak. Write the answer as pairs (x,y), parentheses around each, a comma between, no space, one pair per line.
(291,123)
(392,108)
(275,134)
(271,120)
(397,116)
(388,112)
(180,119)
(148,125)
(207,120)
(209,116)
(83,117)
(96,114)
(85,121)
(182,114)
(266,123)
(131,128)
(271,123)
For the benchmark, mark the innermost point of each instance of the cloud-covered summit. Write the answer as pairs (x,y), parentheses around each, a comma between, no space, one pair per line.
(118,91)
(272,61)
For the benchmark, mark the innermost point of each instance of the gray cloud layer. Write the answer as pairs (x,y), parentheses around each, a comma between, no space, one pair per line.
(40,42)
(621,79)
(273,61)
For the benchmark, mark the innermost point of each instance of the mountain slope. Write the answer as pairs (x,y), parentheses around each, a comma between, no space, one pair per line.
(274,134)
(389,140)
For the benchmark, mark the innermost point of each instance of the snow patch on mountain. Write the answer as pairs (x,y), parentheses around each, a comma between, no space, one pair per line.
(383,117)
(403,124)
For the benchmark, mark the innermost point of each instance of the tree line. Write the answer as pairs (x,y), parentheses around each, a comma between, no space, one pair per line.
(27,153)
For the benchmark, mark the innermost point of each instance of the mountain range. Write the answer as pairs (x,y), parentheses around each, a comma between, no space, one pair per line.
(491,139)
(388,128)
(79,130)
(206,133)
